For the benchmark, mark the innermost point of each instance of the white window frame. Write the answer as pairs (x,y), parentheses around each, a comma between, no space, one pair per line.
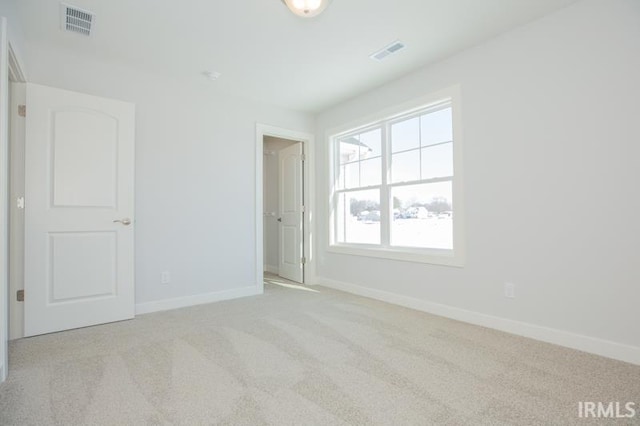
(455,257)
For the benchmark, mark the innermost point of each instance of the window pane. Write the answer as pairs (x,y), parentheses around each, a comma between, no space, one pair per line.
(352,175)
(423,216)
(405,135)
(358,217)
(437,161)
(436,127)
(373,142)
(405,167)
(371,172)
(349,149)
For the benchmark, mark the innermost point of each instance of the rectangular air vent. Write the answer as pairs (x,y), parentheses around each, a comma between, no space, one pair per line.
(76,20)
(387,50)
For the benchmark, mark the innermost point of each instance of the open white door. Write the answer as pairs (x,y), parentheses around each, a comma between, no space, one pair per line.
(291,213)
(79,210)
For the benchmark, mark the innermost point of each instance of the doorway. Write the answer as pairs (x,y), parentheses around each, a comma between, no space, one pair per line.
(284,211)
(283,196)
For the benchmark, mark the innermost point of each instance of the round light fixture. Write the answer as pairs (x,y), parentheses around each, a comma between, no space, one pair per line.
(212,75)
(307,8)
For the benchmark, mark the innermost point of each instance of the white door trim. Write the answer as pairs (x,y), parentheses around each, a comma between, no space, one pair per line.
(4,208)
(307,140)
(16,69)
(18,96)
(10,69)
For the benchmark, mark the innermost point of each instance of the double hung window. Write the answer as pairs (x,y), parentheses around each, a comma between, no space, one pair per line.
(395,189)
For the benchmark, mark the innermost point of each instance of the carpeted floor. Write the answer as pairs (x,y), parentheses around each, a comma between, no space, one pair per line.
(302,356)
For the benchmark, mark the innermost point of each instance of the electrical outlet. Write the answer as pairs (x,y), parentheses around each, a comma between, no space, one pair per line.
(165,277)
(510,290)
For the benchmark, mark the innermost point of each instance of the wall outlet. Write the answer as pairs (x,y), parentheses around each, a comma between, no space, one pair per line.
(165,277)
(510,290)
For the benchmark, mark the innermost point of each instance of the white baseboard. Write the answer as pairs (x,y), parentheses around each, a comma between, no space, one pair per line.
(271,269)
(606,348)
(197,299)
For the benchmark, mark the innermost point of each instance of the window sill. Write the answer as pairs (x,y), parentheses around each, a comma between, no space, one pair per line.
(430,256)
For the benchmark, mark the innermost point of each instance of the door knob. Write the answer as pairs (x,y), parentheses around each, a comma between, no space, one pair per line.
(126,221)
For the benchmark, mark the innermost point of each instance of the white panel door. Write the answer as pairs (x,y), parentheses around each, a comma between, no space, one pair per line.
(291,213)
(79,155)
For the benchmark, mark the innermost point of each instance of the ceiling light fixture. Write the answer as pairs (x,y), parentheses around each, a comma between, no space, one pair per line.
(307,8)
(212,75)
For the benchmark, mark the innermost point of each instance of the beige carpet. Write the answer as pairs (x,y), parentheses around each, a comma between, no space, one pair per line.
(300,357)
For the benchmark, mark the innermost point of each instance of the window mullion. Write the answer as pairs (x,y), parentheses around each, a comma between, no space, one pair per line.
(423,181)
(420,144)
(385,204)
(334,170)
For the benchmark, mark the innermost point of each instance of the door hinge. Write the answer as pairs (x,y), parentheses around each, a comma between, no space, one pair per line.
(20,295)
(20,202)
(22,110)
(303,157)
(303,209)
(303,260)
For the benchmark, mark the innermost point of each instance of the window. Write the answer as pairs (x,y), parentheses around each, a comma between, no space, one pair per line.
(394,184)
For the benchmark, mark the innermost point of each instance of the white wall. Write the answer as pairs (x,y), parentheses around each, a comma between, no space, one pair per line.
(9,10)
(271,201)
(551,140)
(195,172)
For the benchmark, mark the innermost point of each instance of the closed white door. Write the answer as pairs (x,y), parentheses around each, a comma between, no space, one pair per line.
(290,184)
(79,157)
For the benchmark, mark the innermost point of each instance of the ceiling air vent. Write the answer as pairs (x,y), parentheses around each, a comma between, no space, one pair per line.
(387,50)
(76,20)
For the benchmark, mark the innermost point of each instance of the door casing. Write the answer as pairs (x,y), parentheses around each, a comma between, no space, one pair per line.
(16,212)
(4,176)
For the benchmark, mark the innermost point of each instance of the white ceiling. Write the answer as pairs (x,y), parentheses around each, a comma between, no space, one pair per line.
(266,53)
